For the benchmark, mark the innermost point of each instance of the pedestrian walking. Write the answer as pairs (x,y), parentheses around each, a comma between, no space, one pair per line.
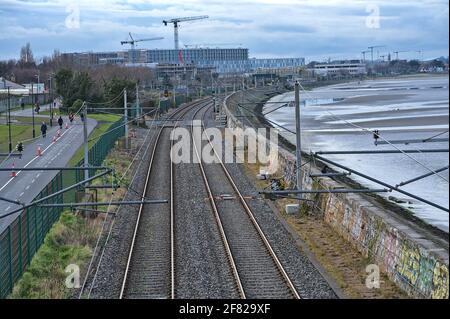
(60,122)
(22,105)
(82,117)
(37,108)
(44,130)
(71,117)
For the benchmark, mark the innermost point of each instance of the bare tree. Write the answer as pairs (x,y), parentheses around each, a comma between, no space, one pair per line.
(26,54)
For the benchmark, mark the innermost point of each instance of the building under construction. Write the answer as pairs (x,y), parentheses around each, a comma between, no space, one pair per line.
(220,60)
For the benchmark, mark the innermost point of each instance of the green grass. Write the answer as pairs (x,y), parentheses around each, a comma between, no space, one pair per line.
(105,117)
(105,121)
(67,243)
(18,133)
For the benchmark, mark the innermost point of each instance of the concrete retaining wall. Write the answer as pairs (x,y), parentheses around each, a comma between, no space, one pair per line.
(405,252)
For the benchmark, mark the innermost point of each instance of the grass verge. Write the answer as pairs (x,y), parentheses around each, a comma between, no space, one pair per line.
(70,241)
(104,123)
(18,133)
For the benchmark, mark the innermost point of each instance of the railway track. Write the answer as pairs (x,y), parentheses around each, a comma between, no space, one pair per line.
(152,249)
(257,271)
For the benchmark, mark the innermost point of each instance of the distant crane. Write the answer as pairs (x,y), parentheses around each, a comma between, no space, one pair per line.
(133,42)
(373,47)
(364,54)
(175,26)
(397,52)
(420,54)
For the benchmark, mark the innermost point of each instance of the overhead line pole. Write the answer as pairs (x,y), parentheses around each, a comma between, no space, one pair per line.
(125,108)
(298,150)
(86,143)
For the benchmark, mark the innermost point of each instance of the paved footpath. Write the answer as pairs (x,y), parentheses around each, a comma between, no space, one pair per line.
(28,184)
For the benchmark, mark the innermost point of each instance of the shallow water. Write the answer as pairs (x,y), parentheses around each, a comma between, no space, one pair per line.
(407,108)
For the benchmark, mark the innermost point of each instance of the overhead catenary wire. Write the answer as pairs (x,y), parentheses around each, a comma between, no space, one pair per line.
(112,221)
(385,140)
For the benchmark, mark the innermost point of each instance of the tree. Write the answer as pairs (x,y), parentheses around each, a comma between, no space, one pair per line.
(114,88)
(26,55)
(63,82)
(73,86)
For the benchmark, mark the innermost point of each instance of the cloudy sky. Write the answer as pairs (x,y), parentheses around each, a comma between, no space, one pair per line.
(315,29)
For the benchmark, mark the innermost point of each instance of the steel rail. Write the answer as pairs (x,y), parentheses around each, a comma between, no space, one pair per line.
(141,208)
(253,220)
(172,204)
(223,235)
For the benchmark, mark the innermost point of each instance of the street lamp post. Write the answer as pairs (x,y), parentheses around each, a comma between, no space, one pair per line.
(32,108)
(51,99)
(9,120)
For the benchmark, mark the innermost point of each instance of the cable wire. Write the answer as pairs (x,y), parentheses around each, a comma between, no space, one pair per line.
(385,140)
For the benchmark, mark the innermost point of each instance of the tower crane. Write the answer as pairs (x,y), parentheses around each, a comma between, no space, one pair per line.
(132,42)
(364,54)
(397,52)
(176,22)
(373,47)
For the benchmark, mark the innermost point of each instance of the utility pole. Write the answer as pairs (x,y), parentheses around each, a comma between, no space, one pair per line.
(9,120)
(298,150)
(174,94)
(125,108)
(32,108)
(86,142)
(138,110)
(51,100)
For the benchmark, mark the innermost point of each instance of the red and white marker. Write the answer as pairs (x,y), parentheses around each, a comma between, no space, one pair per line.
(13,172)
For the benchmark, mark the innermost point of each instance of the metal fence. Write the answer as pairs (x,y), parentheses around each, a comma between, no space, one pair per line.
(23,237)
(16,100)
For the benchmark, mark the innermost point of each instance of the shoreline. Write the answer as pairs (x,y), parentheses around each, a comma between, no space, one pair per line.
(384,202)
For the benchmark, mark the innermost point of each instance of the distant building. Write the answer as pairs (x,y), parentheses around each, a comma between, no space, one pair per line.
(270,66)
(341,68)
(14,88)
(223,61)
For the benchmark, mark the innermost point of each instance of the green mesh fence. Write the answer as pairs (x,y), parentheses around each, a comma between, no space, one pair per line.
(23,237)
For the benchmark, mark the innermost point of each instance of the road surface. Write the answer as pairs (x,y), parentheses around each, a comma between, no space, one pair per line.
(27,185)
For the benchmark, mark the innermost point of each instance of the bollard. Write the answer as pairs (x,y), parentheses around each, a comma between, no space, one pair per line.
(54,139)
(39,151)
(58,133)
(67,126)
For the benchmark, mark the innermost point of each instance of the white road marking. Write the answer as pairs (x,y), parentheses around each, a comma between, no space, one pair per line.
(51,144)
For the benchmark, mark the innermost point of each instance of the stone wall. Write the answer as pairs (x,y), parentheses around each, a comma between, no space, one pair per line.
(412,259)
